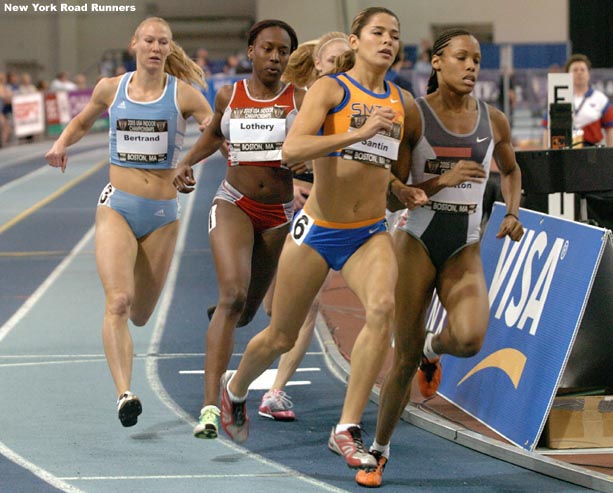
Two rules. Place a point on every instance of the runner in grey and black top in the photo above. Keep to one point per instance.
(454, 212)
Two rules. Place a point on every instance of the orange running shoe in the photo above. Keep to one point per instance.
(429, 376)
(372, 478)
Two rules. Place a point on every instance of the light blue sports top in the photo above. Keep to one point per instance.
(148, 134)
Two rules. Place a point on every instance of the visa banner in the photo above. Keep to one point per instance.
(538, 291)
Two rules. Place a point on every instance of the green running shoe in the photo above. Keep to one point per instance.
(208, 423)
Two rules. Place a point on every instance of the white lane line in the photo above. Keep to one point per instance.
(180, 476)
(38, 471)
(12, 322)
(51, 363)
(25, 178)
(50, 198)
(152, 368)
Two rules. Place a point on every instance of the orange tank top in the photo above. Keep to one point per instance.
(357, 104)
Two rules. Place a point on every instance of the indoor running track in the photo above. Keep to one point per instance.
(58, 426)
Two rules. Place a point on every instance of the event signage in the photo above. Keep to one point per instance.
(538, 291)
(28, 114)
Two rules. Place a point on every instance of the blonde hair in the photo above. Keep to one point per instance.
(177, 62)
(301, 69)
(328, 38)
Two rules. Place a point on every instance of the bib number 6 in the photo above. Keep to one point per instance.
(301, 226)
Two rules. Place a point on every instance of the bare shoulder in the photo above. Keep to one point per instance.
(500, 124)
(407, 97)
(187, 89)
(327, 91)
(105, 90)
(299, 96)
(223, 96)
(497, 117)
(412, 118)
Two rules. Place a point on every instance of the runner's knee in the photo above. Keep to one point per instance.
(118, 303)
(232, 301)
(380, 313)
(467, 343)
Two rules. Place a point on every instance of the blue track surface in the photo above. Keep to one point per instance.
(58, 429)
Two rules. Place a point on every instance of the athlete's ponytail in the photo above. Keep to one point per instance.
(177, 62)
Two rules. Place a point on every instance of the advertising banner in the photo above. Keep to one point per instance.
(28, 114)
(538, 290)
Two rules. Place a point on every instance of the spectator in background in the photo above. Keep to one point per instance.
(201, 57)
(62, 83)
(395, 75)
(107, 65)
(593, 113)
(5, 98)
(26, 86)
(129, 62)
(231, 65)
(80, 81)
(42, 85)
(244, 64)
(507, 92)
(13, 81)
(12, 87)
(422, 64)
(592, 110)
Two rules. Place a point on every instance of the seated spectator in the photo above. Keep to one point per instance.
(26, 86)
(128, 63)
(5, 110)
(62, 83)
(394, 74)
(106, 68)
(80, 81)
(244, 65)
(201, 57)
(42, 85)
(231, 65)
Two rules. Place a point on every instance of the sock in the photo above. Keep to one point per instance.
(384, 449)
(234, 398)
(344, 427)
(428, 351)
(209, 406)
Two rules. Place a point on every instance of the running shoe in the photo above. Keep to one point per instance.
(372, 478)
(349, 444)
(429, 376)
(277, 405)
(208, 423)
(128, 408)
(234, 419)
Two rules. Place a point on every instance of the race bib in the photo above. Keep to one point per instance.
(257, 134)
(379, 150)
(300, 227)
(143, 141)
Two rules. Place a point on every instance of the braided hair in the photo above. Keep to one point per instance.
(439, 45)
